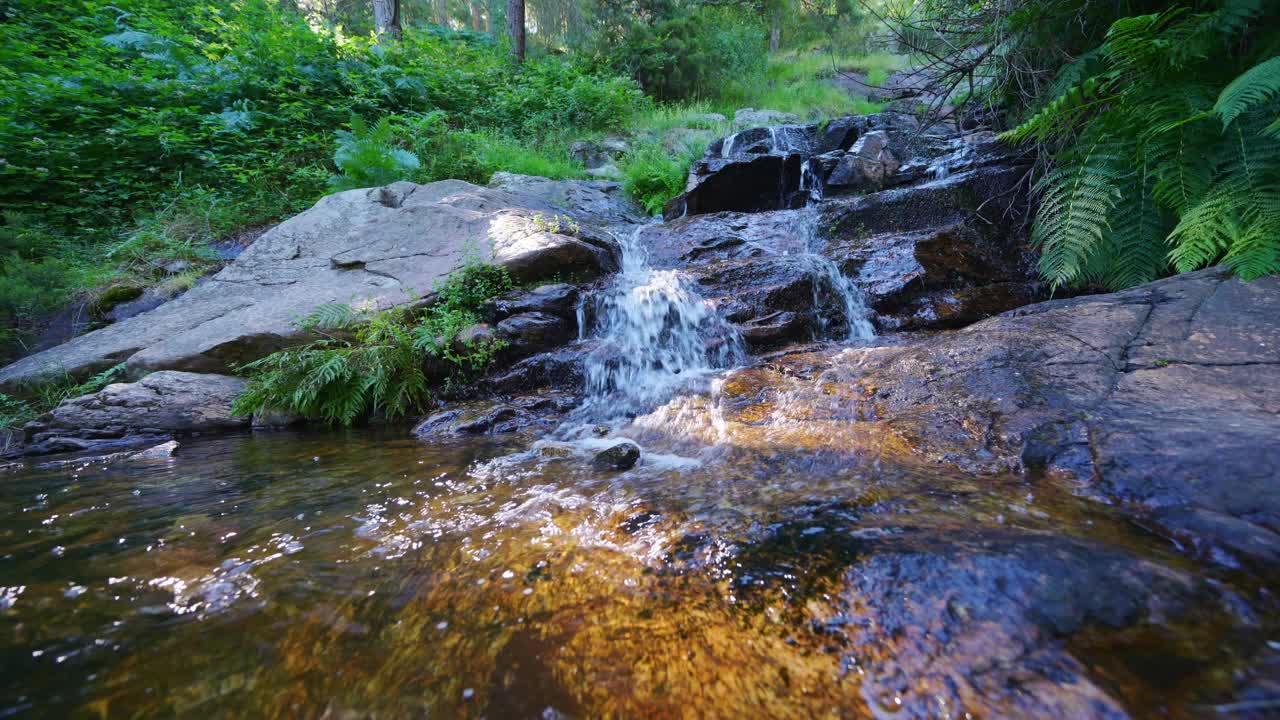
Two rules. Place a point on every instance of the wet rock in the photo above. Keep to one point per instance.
(744, 183)
(532, 332)
(497, 416)
(937, 255)
(149, 300)
(979, 622)
(622, 456)
(558, 299)
(560, 369)
(1164, 398)
(370, 248)
(867, 165)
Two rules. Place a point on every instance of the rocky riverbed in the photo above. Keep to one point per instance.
(818, 444)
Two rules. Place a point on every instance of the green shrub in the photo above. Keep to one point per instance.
(377, 363)
(652, 175)
(692, 54)
(368, 157)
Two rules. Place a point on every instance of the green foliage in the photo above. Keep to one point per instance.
(1164, 152)
(377, 363)
(692, 54)
(368, 157)
(122, 121)
(652, 175)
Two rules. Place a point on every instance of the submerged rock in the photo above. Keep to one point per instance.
(369, 248)
(978, 622)
(622, 456)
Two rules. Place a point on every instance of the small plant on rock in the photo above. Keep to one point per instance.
(379, 363)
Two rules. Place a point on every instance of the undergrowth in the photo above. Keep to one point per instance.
(379, 364)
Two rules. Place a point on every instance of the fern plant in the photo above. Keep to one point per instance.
(368, 157)
(376, 363)
(1166, 150)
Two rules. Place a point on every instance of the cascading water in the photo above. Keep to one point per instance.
(654, 335)
(853, 312)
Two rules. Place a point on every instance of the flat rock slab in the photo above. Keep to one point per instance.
(372, 249)
(1163, 399)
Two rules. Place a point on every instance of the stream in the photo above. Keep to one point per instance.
(366, 574)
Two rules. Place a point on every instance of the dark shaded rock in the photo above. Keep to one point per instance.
(938, 255)
(558, 299)
(560, 368)
(744, 183)
(622, 456)
(960, 623)
(532, 332)
(497, 416)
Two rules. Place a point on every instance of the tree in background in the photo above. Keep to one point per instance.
(386, 18)
(515, 29)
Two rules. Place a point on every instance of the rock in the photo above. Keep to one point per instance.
(157, 452)
(149, 300)
(705, 120)
(558, 299)
(150, 410)
(980, 622)
(745, 183)
(622, 456)
(497, 416)
(1163, 400)
(867, 165)
(168, 401)
(369, 248)
(558, 369)
(941, 254)
(750, 117)
(596, 154)
(274, 420)
(591, 202)
(532, 332)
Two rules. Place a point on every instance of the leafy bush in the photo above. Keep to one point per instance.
(368, 157)
(376, 364)
(652, 175)
(692, 54)
(1167, 150)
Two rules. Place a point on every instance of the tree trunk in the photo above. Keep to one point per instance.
(386, 18)
(775, 33)
(515, 29)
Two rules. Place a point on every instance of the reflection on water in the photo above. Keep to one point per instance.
(362, 575)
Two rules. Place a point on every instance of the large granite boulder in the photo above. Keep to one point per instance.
(370, 248)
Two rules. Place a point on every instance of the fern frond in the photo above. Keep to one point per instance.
(1076, 200)
(1061, 115)
(1251, 89)
(329, 316)
(1136, 251)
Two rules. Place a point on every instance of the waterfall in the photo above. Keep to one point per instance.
(654, 335)
(854, 313)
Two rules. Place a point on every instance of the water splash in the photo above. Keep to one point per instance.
(655, 335)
